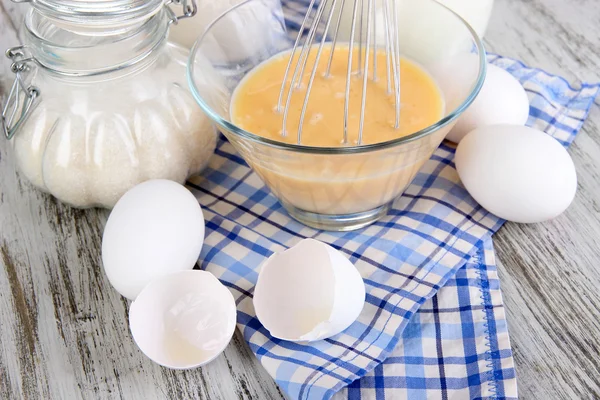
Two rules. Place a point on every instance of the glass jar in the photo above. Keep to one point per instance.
(100, 101)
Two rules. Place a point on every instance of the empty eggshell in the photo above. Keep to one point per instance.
(183, 320)
(518, 173)
(502, 100)
(308, 292)
(156, 228)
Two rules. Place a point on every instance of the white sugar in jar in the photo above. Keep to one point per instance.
(101, 101)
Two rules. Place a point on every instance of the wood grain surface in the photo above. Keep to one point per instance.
(63, 329)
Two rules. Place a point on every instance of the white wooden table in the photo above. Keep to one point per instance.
(63, 329)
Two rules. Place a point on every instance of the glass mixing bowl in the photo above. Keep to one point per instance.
(335, 188)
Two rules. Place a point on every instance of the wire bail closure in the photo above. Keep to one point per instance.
(22, 97)
(190, 8)
(13, 107)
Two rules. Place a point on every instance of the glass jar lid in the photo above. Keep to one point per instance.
(97, 11)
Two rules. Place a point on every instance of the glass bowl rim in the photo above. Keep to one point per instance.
(230, 127)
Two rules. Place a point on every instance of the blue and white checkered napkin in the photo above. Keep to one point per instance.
(456, 346)
(433, 325)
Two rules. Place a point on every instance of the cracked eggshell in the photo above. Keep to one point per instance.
(183, 320)
(308, 292)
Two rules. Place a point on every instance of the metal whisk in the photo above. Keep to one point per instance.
(315, 16)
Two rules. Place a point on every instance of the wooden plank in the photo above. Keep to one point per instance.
(549, 272)
(63, 331)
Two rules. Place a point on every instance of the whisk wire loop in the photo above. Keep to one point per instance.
(292, 54)
(314, 73)
(297, 65)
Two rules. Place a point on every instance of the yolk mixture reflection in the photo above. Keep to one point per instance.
(254, 103)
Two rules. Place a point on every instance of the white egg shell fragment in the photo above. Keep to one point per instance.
(155, 229)
(502, 100)
(183, 320)
(308, 292)
(518, 173)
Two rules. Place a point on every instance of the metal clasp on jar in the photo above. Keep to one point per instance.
(15, 111)
(189, 9)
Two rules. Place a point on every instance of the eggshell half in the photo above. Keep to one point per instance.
(308, 292)
(156, 228)
(502, 100)
(518, 173)
(183, 320)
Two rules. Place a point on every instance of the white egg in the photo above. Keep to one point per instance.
(456, 77)
(502, 100)
(156, 228)
(183, 320)
(308, 292)
(518, 173)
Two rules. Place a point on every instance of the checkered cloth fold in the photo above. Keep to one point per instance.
(455, 347)
(433, 325)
